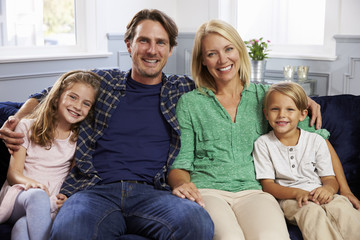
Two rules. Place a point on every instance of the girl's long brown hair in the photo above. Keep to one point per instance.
(45, 114)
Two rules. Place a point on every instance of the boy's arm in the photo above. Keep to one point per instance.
(325, 193)
(282, 193)
(341, 179)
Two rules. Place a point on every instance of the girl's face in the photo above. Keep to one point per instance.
(283, 115)
(75, 103)
(221, 58)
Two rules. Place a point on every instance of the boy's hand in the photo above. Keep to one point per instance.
(322, 195)
(302, 197)
(61, 198)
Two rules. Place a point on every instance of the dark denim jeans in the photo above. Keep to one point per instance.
(111, 210)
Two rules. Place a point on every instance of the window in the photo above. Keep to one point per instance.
(37, 23)
(296, 28)
(48, 29)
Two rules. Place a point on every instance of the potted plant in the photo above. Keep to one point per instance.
(258, 52)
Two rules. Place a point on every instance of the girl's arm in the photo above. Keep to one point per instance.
(340, 177)
(15, 172)
(179, 181)
(282, 193)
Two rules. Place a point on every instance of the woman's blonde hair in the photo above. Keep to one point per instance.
(290, 89)
(200, 73)
(45, 114)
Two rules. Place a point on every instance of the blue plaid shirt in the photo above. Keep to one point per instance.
(113, 88)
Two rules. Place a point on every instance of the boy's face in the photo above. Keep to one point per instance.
(282, 114)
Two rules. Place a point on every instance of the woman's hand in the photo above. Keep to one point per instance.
(315, 110)
(189, 191)
(355, 202)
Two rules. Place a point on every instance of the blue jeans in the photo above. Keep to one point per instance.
(111, 210)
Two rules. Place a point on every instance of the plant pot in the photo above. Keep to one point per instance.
(258, 69)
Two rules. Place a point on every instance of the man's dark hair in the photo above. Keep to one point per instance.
(155, 15)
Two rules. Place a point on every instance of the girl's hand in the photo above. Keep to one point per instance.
(189, 191)
(34, 184)
(61, 198)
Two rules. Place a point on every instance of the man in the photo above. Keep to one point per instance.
(119, 185)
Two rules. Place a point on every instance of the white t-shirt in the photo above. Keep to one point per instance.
(299, 166)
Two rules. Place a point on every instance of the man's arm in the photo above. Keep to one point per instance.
(11, 139)
(341, 179)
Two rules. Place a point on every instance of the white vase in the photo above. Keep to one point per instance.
(257, 70)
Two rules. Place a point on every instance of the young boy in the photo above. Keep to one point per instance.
(295, 167)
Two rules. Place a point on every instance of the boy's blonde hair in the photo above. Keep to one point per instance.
(46, 113)
(290, 89)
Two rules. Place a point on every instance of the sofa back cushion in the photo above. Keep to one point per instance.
(341, 117)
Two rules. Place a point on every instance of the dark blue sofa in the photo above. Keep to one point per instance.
(341, 116)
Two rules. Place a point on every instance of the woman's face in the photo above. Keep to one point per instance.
(221, 58)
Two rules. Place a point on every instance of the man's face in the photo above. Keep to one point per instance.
(149, 51)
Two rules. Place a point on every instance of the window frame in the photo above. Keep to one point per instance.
(228, 11)
(89, 44)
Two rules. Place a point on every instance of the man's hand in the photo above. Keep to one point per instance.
(315, 110)
(11, 139)
(189, 191)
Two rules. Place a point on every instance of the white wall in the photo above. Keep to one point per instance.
(349, 17)
(18, 80)
(190, 14)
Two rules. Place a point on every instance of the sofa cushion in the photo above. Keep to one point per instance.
(341, 117)
(6, 109)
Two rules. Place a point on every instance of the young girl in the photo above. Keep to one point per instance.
(30, 197)
(295, 167)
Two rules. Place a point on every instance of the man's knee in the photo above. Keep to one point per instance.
(194, 222)
(78, 219)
